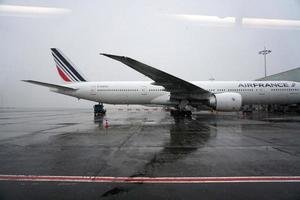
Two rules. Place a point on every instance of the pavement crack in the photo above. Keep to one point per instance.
(137, 130)
(284, 151)
(35, 132)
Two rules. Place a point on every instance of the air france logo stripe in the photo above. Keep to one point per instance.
(64, 68)
(68, 65)
(62, 74)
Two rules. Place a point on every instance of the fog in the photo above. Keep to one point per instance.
(192, 39)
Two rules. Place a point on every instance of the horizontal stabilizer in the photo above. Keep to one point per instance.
(50, 85)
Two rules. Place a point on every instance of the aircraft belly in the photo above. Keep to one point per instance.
(271, 98)
(285, 98)
(162, 99)
(124, 98)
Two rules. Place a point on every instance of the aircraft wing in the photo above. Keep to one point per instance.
(50, 85)
(171, 83)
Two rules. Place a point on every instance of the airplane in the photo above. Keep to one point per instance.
(168, 90)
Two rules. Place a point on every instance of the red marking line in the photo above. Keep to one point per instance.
(151, 180)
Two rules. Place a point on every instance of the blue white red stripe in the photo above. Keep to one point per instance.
(62, 74)
(63, 69)
(66, 68)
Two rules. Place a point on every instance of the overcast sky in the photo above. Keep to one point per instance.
(192, 39)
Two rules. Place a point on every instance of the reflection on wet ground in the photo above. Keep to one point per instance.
(186, 136)
(150, 144)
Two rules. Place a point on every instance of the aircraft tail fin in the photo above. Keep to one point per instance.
(66, 69)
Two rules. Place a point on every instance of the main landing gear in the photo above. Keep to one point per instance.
(182, 110)
(181, 113)
(99, 110)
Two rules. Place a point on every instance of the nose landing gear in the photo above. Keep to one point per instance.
(99, 110)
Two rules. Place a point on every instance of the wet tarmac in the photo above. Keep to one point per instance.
(148, 143)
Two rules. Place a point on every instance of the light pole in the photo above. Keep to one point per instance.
(265, 52)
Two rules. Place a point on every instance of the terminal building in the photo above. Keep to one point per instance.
(290, 75)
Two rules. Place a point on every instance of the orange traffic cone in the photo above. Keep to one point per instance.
(106, 124)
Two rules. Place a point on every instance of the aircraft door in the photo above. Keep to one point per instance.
(93, 90)
(144, 90)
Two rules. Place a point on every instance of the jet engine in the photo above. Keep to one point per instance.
(227, 101)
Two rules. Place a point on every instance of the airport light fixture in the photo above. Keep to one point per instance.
(264, 53)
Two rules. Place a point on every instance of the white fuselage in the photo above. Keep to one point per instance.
(144, 93)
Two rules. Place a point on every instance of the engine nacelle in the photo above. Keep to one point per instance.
(228, 101)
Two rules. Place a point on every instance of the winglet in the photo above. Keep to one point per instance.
(119, 58)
